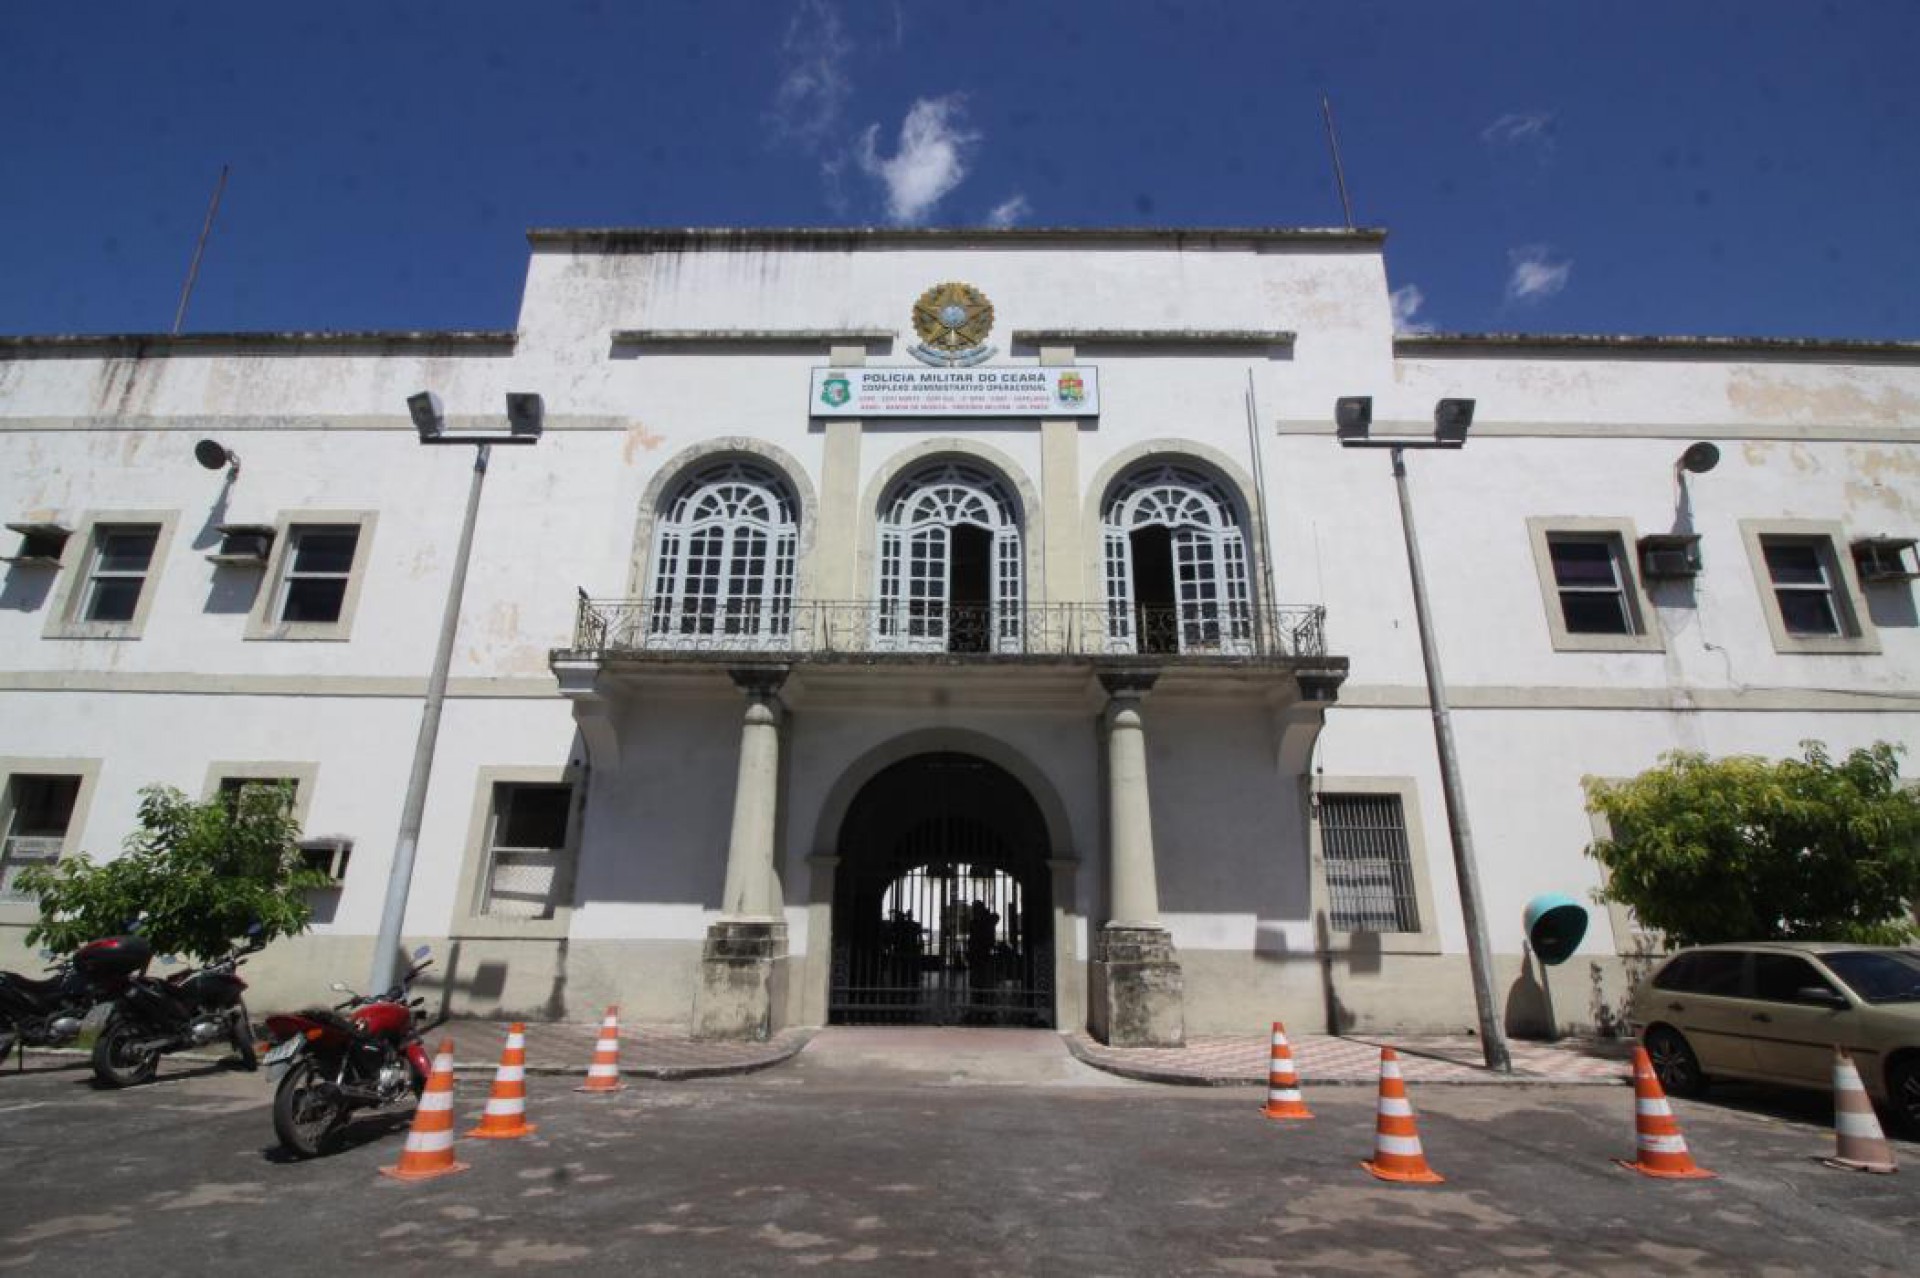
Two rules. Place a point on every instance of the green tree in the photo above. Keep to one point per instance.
(196, 875)
(1747, 849)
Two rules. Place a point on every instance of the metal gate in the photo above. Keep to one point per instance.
(947, 927)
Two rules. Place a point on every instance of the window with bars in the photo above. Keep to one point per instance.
(724, 559)
(39, 809)
(529, 858)
(1368, 864)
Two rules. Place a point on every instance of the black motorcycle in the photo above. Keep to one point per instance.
(49, 1012)
(157, 1015)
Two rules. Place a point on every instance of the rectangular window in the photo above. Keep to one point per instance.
(319, 564)
(1802, 575)
(39, 810)
(1589, 575)
(118, 571)
(527, 850)
(232, 788)
(1369, 870)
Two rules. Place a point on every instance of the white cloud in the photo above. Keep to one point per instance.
(1407, 301)
(1536, 274)
(1521, 128)
(930, 161)
(1009, 211)
(808, 102)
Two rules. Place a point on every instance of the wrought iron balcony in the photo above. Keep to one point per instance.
(816, 630)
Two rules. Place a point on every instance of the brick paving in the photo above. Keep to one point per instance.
(1229, 1060)
(646, 1051)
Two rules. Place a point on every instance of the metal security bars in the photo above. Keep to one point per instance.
(1363, 843)
(1220, 630)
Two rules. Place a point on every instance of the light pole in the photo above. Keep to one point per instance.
(525, 418)
(1353, 419)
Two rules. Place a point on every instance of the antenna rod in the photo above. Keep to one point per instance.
(193, 271)
(1333, 144)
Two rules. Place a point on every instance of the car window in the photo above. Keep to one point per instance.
(1878, 978)
(1779, 978)
(1703, 972)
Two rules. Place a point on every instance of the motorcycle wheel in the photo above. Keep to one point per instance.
(307, 1114)
(241, 1033)
(117, 1062)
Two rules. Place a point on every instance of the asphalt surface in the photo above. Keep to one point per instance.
(942, 1155)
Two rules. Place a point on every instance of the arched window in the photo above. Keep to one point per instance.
(723, 560)
(949, 563)
(1176, 565)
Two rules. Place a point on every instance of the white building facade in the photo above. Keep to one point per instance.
(979, 627)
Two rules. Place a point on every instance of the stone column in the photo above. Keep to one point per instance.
(1138, 992)
(743, 970)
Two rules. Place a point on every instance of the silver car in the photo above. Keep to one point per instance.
(1773, 1012)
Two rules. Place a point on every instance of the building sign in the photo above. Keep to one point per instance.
(955, 392)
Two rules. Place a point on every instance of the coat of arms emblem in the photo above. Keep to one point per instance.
(953, 321)
(835, 391)
(1071, 389)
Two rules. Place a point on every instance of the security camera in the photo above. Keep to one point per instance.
(526, 413)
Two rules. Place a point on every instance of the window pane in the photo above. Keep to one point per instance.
(42, 805)
(1807, 612)
(533, 817)
(1583, 563)
(1715, 972)
(1794, 563)
(113, 599)
(130, 551)
(327, 552)
(315, 600)
(1595, 614)
(1780, 977)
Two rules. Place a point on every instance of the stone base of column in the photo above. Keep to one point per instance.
(742, 994)
(1138, 995)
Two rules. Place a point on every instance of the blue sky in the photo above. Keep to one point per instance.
(1692, 168)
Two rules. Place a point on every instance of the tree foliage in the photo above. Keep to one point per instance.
(195, 875)
(1747, 849)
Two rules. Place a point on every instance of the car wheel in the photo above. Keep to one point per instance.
(1674, 1063)
(1903, 1094)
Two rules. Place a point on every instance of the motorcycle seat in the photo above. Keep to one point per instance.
(28, 985)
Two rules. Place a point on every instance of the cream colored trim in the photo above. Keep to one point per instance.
(88, 770)
(262, 622)
(1031, 513)
(1621, 540)
(254, 423)
(311, 685)
(677, 467)
(1800, 432)
(303, 776)
(1427, 939)
(63, 621)
(1831, 539)
(467, 920)
(1616, 697)
(1188, 452)
(1629, 938)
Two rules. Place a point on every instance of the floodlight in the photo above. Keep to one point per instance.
(1451, 418)
(526, 412)
(1352, 417)
(428, 418)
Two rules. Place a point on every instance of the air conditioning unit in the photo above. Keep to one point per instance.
(40, 545)
(244, 545)
(1669, 556)
(1881, 560)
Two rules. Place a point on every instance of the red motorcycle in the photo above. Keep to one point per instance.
(364, 1053)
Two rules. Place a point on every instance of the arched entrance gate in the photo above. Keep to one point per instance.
(943, 907)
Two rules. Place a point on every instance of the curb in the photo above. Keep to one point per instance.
(1175, 1078)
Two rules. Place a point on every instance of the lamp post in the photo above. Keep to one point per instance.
(525, 418)
(1353, 419)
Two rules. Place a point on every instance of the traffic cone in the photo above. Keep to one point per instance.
(604, 1074)
(1862, 1146)
(506, 1114)
(1396, 1141)
(1283, 1085)
(429, 1150)
(1662, 1149)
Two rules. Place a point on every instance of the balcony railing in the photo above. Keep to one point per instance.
(818, 629)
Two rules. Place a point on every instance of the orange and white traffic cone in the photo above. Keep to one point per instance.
(1283, 1085)
(429, 1150)
(604, 1074)
(506, 1114)
(1862, 1146)
(1662, 1149)
(1396, 1140)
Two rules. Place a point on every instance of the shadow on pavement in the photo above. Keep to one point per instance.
(361, 1131)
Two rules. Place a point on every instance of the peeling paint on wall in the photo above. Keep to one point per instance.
(1769, 395)
(639, 438)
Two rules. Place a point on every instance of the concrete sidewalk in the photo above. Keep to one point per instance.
(1241, 1059)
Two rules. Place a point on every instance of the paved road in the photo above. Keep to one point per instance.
(934, 1158)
